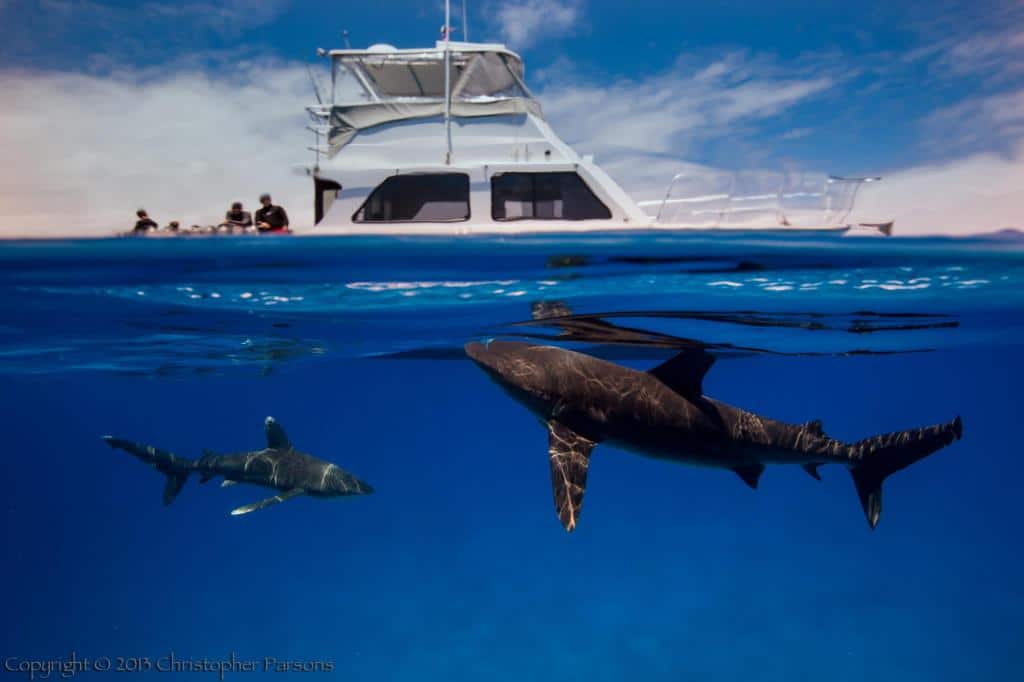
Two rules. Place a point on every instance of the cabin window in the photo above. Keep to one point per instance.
(418, 198)
(544, 196)
(325, 192)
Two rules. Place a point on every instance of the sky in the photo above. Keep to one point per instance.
(184, 106)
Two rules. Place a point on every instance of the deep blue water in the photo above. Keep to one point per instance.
(456, 568)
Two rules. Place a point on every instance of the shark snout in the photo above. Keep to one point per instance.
(477, 352)
(496, 357)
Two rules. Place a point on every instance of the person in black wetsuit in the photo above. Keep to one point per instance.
(236, 218)
(271, 218)
(144, 222)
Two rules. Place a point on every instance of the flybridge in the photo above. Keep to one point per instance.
(383, 72)
(383, 84)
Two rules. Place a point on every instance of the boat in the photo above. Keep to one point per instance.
(449, 140)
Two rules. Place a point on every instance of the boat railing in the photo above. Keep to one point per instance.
(756, 198)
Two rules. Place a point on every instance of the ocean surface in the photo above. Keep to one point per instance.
(456, 567)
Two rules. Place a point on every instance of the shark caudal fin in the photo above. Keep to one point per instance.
(176, 469)
(881, 456)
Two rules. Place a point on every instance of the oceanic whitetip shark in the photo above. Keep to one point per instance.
(663, 413)
(278, 466)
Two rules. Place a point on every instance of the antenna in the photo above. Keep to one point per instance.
(344, 36)
(465, 23)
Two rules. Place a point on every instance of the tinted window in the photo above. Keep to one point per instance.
(544, 196)
(421, 198)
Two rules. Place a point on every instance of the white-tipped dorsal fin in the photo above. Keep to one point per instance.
(684, 372)
(277, 439)
(227, 482)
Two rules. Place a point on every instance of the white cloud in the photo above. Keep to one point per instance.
(642, 130)
(670, 112)
(977, 123)
(523, 23)
(976, 193)
(83, 152)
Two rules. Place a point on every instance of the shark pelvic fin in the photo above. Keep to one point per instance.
(812, 470)
(569, 453)
(277, 439)
(256, 506)
(750, 473)
(684, 373)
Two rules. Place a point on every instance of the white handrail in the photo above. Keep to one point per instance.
(668, 190)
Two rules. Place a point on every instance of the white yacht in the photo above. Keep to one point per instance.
(450, 140)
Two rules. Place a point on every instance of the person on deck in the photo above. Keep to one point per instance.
(237, 219)
(271, 218)
(144, 222)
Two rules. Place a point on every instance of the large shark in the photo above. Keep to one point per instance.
(278, 466)
(664, 414)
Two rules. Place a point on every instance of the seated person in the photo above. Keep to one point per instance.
(236, 218)
(144, 222)
(271, 218)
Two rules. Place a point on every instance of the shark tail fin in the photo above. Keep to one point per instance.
(175, 482)
(176, 469)
(882, 456)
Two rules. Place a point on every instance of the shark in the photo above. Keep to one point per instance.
(278, 466)
(663, 413)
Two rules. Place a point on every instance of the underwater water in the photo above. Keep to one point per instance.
(456, 567)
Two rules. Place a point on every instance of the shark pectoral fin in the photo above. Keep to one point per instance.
(256, 506)
(570, 458)
(684, 373)
(227, 483)
(750, 473)
(277, 439)
(812, 469)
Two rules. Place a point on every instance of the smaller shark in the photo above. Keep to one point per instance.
(279, 466)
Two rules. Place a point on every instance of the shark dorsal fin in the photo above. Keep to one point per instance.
(814, 427)
(684, 372)
(277, 439)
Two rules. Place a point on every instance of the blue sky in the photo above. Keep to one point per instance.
(923, 92)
